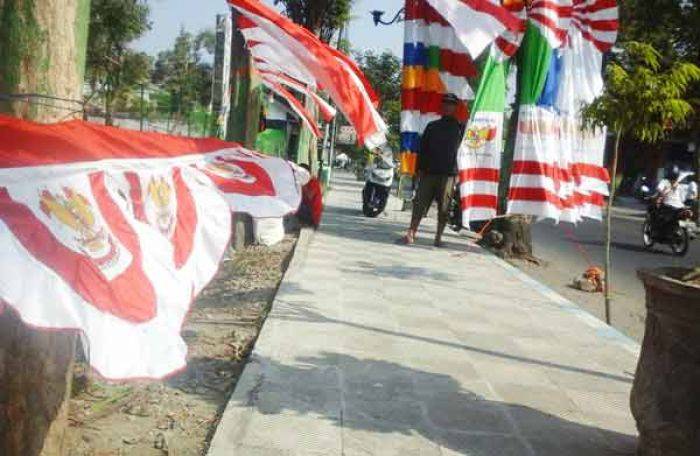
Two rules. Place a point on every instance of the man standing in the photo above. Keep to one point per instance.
(437, 168)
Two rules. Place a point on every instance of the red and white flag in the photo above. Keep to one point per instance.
(113, 233)
(306, 117)
(477, 22)
(332, 72)
(328, 112)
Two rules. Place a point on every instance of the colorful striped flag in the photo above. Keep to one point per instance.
(435, 62)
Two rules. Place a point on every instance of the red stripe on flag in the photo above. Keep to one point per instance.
(479, 174)
(534, 194)
(457, 64)
(484, 201)
(499, 13)
(506, 46)
(535, 168)
(26, 143)
(600, 5)
(592, 171)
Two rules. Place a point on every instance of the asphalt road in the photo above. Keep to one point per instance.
(567, 251)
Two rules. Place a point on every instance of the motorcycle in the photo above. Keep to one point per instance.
(676, 232)
(454, 214)
(379, 179)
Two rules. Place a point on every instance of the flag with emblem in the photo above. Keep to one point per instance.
(120, 231)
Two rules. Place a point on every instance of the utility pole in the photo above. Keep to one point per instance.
(42, 51)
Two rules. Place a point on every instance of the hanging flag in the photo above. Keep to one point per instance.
(558, 169)
(331, 71)
(328, 112)
(598, 22)
(477, 23)
(120, 230)
(306, 117)
(435, 63)
(479, 157)
(536, 176)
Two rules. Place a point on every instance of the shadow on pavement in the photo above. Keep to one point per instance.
(297, 311)
(381, 406)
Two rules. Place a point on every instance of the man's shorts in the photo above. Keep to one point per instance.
(433, 187)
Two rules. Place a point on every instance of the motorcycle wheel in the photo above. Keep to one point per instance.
(680, 242)
(647, 237)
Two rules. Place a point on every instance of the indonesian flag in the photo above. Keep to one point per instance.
(479, 157)
(435, 63)
(113, 233)
(306, 117)
(328, 112)
(331, 71)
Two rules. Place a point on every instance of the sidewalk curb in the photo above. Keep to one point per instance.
(602, 329)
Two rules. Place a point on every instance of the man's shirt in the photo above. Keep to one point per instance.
(671, 195)
(439, 145)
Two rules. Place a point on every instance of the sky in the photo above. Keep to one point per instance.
(168, 16)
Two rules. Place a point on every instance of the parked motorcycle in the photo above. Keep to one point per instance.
(675, 229)
(379, 179)
(454, 215)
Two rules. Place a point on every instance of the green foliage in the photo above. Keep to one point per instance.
(183, 72)
(323, 17)
(384, 74)
(644, 98)
(114, 70)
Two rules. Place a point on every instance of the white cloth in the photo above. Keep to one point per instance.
(672, 195)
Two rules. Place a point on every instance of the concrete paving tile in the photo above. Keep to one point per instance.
(465, 411)
(502, 367)
(401, 415)
(296, 434)
(483, 445)
(543, 399)
(376, 441)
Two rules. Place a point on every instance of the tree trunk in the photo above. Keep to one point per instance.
(239, 128)
(509, 237)
(42, 51)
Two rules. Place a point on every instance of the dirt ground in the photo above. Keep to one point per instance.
(178, 416)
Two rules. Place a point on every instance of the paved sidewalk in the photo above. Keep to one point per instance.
(374, 348)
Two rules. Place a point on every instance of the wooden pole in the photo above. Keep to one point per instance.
(608, 232)
(42, 51)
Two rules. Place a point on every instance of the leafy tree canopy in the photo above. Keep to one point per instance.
(643, 97)
(384, 74)
(323, 17)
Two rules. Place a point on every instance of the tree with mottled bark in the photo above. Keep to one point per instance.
(42, 52)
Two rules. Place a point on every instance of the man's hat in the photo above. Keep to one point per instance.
(450, 98)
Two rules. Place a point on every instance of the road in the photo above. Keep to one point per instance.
(567, 251)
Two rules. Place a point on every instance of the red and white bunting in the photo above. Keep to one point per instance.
(306, 117)
(120, 230)
(477, 23)
(330, 70)
(328, 112)
(598, 22)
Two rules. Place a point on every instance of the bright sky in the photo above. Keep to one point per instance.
(168, 16)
